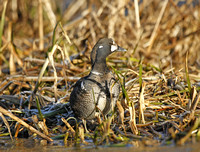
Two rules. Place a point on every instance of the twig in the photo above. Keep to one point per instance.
(5, 112)
(137, 15)
(7, 124)
(153, 35)
(44, 79)
(40, 19)
(183, 140)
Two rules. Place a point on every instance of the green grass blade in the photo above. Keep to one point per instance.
(39, 109)
(122, 85)
(54, 35)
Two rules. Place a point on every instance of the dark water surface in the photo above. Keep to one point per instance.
(29, 145)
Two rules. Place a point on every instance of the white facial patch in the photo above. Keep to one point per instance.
(101, 46)
(113, 48)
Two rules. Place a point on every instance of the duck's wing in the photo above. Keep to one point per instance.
(81, 100)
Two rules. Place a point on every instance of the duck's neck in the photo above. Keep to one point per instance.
(100, 67)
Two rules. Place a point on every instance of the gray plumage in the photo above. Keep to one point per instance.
(98, 91)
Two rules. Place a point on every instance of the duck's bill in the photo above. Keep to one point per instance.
(117, 48)
(121, 49)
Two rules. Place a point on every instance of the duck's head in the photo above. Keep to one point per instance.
(103, 48)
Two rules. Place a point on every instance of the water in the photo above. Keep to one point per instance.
(24, 145)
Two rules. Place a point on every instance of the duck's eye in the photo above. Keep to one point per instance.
(101, 46)
(114, 42)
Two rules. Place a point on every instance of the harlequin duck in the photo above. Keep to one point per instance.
(93, 93)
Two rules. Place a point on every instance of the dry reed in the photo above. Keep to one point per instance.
(159, 74)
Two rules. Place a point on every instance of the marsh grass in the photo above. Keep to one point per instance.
(159, 74)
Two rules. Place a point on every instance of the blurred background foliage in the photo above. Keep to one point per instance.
(163, 34)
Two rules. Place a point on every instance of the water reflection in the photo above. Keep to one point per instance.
(32, 145)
